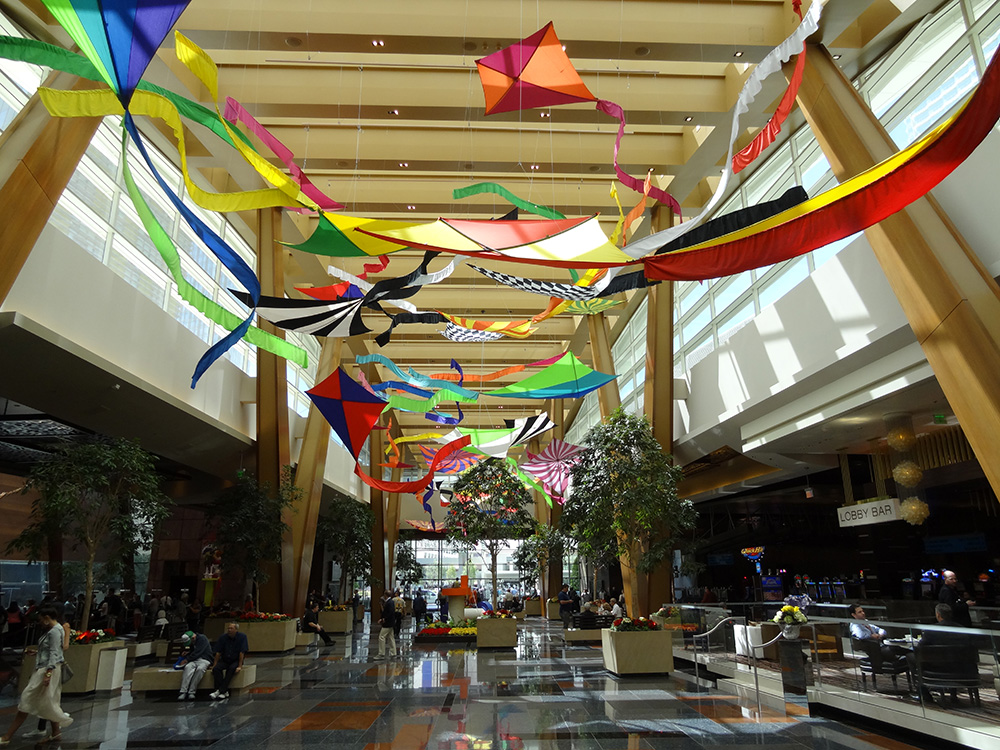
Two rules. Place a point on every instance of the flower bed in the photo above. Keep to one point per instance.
(336, 608)
(438, 631)
(630, 625)
(500, 614)
(88, 637)
(240, 616)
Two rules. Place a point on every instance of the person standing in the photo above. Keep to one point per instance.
(400, 605)
(44, 691)
(230, 651)
(949, 594)
(387, 621)
(196, 662)
(419, 609)
(565, 605)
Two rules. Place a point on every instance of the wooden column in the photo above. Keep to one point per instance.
(392, 530)
(38, 155)
(309, 479)
(658, 400)
(377, 501)
(951, 301)
(608, 396)
(272, 406)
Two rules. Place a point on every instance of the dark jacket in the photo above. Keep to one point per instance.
(200, 649)
(959, 609)
(388, 614)
(229, 649)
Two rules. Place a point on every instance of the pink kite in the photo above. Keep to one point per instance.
(552, 466)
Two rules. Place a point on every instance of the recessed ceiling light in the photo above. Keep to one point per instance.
(594, 168)
(411, 208)
(738, 53)
(688, 118)
(378, 43)
(564, 48)
(642, 51)
(836, 57)
(534, 166)
(293, 41)
(469, 46)
(392, 112)
(545, 114)
(404, 164)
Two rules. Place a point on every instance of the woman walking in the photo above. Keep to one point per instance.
(44, 690)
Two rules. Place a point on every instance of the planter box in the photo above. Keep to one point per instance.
(496, 633)
(262, 637)
(336, 622)
(464, 639)
(638, 653)
(552, 610)
(533, 607)
(83, 660)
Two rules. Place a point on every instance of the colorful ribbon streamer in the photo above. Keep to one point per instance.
(496, 189)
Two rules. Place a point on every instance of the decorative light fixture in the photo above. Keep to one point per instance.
(688, 118)
(907, 474)
(901, 438)
(914, 511)
(738, 53)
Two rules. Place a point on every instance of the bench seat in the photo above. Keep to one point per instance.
(162, 678)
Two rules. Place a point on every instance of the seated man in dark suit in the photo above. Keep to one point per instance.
(954, 642)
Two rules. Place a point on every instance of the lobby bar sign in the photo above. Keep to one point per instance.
(863, 514)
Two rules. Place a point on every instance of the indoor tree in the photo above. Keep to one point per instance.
(103, 496)
(624, 501)
(408, 570)
(249, 525)
(535, 551)
(488, 509)
(346, 532)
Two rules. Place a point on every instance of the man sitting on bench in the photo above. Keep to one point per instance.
(587, 619)
(230, 650)
(196, 662)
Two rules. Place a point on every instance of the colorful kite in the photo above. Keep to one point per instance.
(335, 318)
(552, 466)
(536, 72)
(456, 463)
(496, 443)
(349, 408)
(566, 378)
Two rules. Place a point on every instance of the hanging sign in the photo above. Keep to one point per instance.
(878, 511)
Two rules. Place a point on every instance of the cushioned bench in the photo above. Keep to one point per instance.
(164, 678)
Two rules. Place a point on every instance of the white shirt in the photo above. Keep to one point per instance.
(616, 611)
(864, 630)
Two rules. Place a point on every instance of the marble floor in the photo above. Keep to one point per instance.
(543, 695)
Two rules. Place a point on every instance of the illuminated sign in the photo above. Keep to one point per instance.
(863, 514)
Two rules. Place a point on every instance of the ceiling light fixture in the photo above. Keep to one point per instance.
(404, 164)
(738, 53)
(411, 208)
(688, 118)
(534, 166)
(545, 114)
(378, 43)
(836, 57)
(393, 112)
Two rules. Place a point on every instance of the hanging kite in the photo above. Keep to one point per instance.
(552, 466)
(496, 443)
(350, 409)
(456, 463)
(566, 378)
(536, 72)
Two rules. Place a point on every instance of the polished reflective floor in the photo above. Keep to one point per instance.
(543, 695)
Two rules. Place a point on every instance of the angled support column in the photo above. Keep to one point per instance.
(377, 500)
(272, 410)
(608, 396)
(38, 155)
(658, 401)
(949, 298)
(392, 530)
(309, 479)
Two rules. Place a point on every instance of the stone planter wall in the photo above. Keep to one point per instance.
(83, 660)
(496, 633)
(533, 607)
(552, 610)
(638, 653)
(336, 622)
(262, 637)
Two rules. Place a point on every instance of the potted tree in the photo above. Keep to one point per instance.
(248, 524)
(486, 512)
(346, 532)
(624, 503)
(531, 560)
(102, 496)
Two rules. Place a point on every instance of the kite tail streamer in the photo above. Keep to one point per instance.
(639, 208)
(235, 112)
(226, 255)
(610, 108)
(766, 136)
(415, 485)
(211, 309)
(492, 187)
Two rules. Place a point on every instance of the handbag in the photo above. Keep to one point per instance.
(67, 673)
